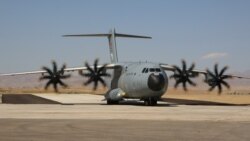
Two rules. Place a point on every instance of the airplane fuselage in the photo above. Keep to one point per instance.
(141, 80)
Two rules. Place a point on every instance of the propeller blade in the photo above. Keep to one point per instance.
(225, 84)
(212, 87)
(95, 65)
(217, 79)
(95, 74)
(44, 77)
(88, 82)
(177, 69)
(55, 87)
(105, 75)
(62, 84)
(177, 83)
(65, 76)
(95, 85)
(184, 86)
(216, 70)
(210, 73)
(47, 84)
(183, 76)
(191, 82)
(54, 76)
(219, 88)
(47, 70)
(62, 69)
(184, 66)
(88, 68)
(54, 67)
(223, 70)
(103, 82)
(102, 68)
(191, 67)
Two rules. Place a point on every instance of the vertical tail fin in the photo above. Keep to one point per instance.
(112, 41)
(112, 47)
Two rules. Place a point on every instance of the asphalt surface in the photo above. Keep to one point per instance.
(86, 117)
(126, 130)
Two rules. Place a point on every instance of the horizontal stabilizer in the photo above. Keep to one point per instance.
(108, 35)
(87, 35)
(132, 36)
(112, 35)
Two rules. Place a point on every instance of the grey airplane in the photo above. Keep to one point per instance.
(145, 81)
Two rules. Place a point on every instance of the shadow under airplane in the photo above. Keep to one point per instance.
(199, 102)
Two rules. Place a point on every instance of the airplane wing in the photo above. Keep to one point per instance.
(230, 75)
(108, 66)
(172, 68)
(215, 78)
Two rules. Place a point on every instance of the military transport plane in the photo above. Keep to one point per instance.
(146, 81)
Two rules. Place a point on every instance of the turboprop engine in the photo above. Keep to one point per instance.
(115, 95)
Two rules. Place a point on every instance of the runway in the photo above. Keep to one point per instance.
(89, 118)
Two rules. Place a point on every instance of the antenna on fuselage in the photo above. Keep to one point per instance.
(112, 41)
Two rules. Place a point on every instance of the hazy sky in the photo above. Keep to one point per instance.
(201, 31)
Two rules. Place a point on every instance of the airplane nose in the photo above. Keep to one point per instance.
(156, 82)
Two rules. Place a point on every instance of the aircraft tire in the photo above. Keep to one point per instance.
(112, 102)
(150, 102)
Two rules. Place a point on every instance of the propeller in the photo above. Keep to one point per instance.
(95, 75)
(183, 75)
(54, 76)
(217, 79)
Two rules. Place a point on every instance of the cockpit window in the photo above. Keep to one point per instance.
(145, 70)
(158, 70)
(152, 70)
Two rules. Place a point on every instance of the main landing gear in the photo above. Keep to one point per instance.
(150, 101)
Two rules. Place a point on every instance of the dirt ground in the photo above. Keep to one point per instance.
(122, 130)
(94, 120)
(237, 96)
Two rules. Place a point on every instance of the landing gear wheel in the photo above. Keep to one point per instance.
(154, 102)
(112, 102)
(146, 102)
(150, 101)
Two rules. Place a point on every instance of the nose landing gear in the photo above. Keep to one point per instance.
(151, 101)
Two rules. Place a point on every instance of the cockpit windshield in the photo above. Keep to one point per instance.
(146, 70)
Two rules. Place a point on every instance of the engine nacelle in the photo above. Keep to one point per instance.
(115, 94)
(210, 80)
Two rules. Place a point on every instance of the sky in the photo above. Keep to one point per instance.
(201, 31)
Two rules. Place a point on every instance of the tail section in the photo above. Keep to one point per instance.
(112, 47)
(112, 41)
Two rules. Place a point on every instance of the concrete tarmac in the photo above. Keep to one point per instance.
(91, 119)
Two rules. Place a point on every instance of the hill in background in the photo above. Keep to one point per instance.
(76, 82)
